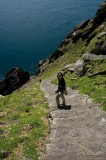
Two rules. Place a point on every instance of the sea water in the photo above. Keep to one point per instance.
(31, 30)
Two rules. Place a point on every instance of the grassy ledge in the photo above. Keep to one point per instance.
(23, 123)
(95, 87)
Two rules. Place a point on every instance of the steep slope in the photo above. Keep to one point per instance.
(23, 123)
(78, 129)
(82, 57)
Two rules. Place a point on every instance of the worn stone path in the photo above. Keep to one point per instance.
(78, 131)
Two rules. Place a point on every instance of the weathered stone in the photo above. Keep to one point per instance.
(41, 62)
(83, 24)
(87, 57)
(69, 67)
(90, 37)
(57, 54)
(79, 68)
(102, 34)
(65, 42)
(15, 78)
(98, 19)
(96, 74)
(44, 66)
(99, 48)
(100, 15)
(76, 35)
(101, 26)
(88, 30)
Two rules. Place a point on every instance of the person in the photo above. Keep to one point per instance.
(61, 89)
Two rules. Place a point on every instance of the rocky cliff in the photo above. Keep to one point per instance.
(14, 79)
(91, 32)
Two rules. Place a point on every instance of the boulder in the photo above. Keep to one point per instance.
(90, 37)
(68, 68)
(65, 42)
(44, 66)
(76, 35)
(14, 79)
(100, 15)
(79, 68)
(98, 20)
(101, 26)
(83, 24)
(99, 47)
(102, 34)
(41, 62)
(87, 57)
(88, 30)
(96, 74)
(56, 54)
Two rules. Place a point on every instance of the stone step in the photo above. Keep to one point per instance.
(74, 157)
(88, 133)
(77, 111)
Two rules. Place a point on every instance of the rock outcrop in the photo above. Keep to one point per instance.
(78, 68)
(91, 57)
(85, 31)
(14, 79)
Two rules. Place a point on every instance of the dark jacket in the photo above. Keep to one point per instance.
(61, 85)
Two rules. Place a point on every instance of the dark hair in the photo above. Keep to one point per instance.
(59, 74)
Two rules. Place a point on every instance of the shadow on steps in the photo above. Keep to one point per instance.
(65, 107)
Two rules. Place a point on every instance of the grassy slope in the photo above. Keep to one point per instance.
(23, 122)
(95, 87)
(23, 114)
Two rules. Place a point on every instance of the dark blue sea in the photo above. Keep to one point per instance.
(30, 30)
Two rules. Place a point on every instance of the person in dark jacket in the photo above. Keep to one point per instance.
(61, 89)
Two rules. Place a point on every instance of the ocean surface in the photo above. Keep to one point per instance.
(31, 30)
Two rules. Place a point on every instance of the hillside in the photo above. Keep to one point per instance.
(82, 58)
(24, 114)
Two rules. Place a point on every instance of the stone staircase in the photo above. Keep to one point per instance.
(78, 130)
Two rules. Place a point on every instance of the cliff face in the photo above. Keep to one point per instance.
(92, 32)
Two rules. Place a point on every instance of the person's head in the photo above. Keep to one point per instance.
(59, 75)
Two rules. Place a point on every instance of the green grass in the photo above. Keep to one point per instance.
(95, 40)
(72, 53)
(24, 125)
(95, 87)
